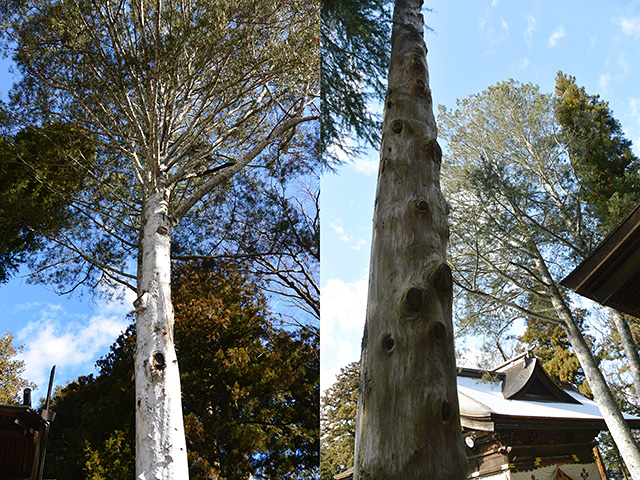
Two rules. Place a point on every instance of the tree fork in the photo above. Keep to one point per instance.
(408, 423)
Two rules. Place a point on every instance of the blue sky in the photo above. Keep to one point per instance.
(474, 44)
(68, 331)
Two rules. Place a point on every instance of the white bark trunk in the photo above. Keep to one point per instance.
(630, 349)
(602, 395)
(161, 452)
(605, 400)
(408, 424)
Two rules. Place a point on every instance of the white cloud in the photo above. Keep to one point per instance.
(492, 29)
(634, 129)
(524, 63)
(344, 306)
(605, 81)
(616, 73)
(557, 34)
(359, 244)
(345, 236)
(531, 26)
(340, 231)
(630, 25)
(623, 64)
(367, 166)
(71, 342)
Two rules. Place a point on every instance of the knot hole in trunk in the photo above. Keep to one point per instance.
(158, 362)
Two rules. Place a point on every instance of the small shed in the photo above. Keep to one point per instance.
(23, 437)
(518, 424)
(23, 434)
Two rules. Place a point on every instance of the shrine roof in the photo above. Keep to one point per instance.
(522, 395)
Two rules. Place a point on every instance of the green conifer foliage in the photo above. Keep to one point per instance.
(608, 170)
(11, 370)
(355, 56)
(250, 391)
(41, 169)
(338, 422)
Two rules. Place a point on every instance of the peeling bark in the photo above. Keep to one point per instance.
(408, 422)
(161, 451)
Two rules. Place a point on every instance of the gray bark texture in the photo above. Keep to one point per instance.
(602, 395)
(408, 424)
(630, 348)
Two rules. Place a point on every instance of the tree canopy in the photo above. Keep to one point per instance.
(355, 56)
(270, 225)
(607, 169)
(11, 370)
(180, 98)
(38, 178)
(512, 198)
(250, 391)
(521, 222)
(338, 422)
(168, 99)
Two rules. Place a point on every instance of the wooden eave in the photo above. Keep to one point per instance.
(610, 275)
(347, 474)
(495, 422)
(20, 416)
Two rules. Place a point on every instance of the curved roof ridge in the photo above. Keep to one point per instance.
(472, 407)
(530, 379)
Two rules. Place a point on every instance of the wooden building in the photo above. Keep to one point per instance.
(551, 435)
(518, 424)
(23, 437)
(610, 275)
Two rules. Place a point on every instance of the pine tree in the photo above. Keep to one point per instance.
(180, 97)
(519, 220)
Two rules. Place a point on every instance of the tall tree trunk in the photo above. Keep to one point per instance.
(630, 349)
(161, 451)
(408, 424)
(602, 394)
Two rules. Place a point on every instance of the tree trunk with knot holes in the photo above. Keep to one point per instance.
(408, 424)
